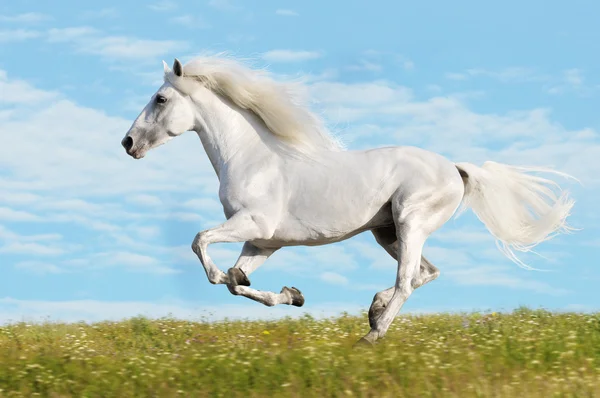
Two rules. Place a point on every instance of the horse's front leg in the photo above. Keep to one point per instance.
(250, 259)
(241, 227)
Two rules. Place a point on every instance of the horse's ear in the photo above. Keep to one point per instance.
(177, 68)
(166, 67)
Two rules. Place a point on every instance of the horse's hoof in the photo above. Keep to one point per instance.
(363, 342)
(374, 314)
(237, 277)
(297, 297)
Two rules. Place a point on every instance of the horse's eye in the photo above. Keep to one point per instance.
(160, 99)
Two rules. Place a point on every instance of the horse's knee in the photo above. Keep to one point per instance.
(199, 242)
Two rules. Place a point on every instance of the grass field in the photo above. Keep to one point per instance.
(521, 354)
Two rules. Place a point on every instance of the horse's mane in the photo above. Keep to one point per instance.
(279, 105)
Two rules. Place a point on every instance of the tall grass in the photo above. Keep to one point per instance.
(522, 354)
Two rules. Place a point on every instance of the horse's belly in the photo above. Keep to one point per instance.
(328, 226)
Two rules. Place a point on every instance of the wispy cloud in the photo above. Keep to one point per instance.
(57, 35)
(163, 5)
(38, 267)
(290, 55)
(456, 76)
(15, 91)
(8, 235)
(26, 18)
(224, 5)
(366, 66)
(90, 40)
(31, 248)
(144, 200)
(17, 35)
(334, 278)
(190, 21)
(572, 80)
(14, 310)
(122, 47)
(133, 262)
(574, 77)
(109, 12)
(8, 214)
(286, 12)
(506, 75)
(497, 276)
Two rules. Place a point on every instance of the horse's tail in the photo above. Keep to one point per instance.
(520, 210)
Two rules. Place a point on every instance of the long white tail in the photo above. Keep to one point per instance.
(520, 210)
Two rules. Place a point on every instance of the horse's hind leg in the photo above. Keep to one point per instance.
(416, 216)
(386, 237)
(411, 239)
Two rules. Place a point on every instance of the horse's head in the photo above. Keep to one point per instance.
(168, 114)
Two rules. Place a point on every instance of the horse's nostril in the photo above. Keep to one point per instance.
(127, 143)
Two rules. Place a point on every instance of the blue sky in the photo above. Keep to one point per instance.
(88, 233)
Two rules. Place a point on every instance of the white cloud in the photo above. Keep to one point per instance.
(334, 278)
(286, 12)
(572, 80)
(130, 261)
(25, 18)
(122, 47)
(8, 235)
(408, 65)
(366, 66)
(163, 5)
(144, 200)
(378, 257)
(574, 77)
(359, 94)
(76, 205)
(456, 76)
(443, 257)
(448, 126)
(8, 214)
(498, 276)
(109, 12)
(506, 75)
(16, 91)
(511, 74)
(223, 5)
(89, 40)
(464, 236)
(434, 88)
(61, 128)
(204, 204)
(18, 197)
(57, 35)
(16, 35)
(15, 310)
(148, 232)
(290, 55)
(39, 267)
(34, 249)
(190, 21)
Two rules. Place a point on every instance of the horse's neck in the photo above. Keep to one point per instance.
(228, 133)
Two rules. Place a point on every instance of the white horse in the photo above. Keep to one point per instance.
(284, 181)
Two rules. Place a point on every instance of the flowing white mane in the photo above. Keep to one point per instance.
(279, 105)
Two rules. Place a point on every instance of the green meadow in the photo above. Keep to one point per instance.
(525, 353)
